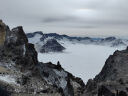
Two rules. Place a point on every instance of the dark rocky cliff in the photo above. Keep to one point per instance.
(113, 78)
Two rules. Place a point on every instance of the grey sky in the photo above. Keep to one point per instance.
(72, 17)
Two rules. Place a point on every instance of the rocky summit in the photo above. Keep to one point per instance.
(21, 74)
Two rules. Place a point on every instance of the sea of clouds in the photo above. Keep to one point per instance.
(84, 61)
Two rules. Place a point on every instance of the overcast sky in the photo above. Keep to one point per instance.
(72, 17)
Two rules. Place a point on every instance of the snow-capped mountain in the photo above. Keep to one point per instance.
(55, 42)
(44, 44)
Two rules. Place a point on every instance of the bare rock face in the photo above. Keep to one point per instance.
(17, 47)
(113, 78)
(16, 36)
(29, 77)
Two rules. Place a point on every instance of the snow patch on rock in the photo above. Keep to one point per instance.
(63, 76)
(8, 79)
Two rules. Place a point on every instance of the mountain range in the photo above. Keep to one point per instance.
(42, 40)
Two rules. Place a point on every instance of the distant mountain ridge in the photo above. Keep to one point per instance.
(57, 36)
(61, 39)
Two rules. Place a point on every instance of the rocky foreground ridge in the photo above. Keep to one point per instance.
(21, 74)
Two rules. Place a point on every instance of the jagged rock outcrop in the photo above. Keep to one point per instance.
(27, 76)
(113, 78)
(66, 82)
(17, 47)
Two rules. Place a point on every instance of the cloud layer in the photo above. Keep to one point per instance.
(73, 17)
